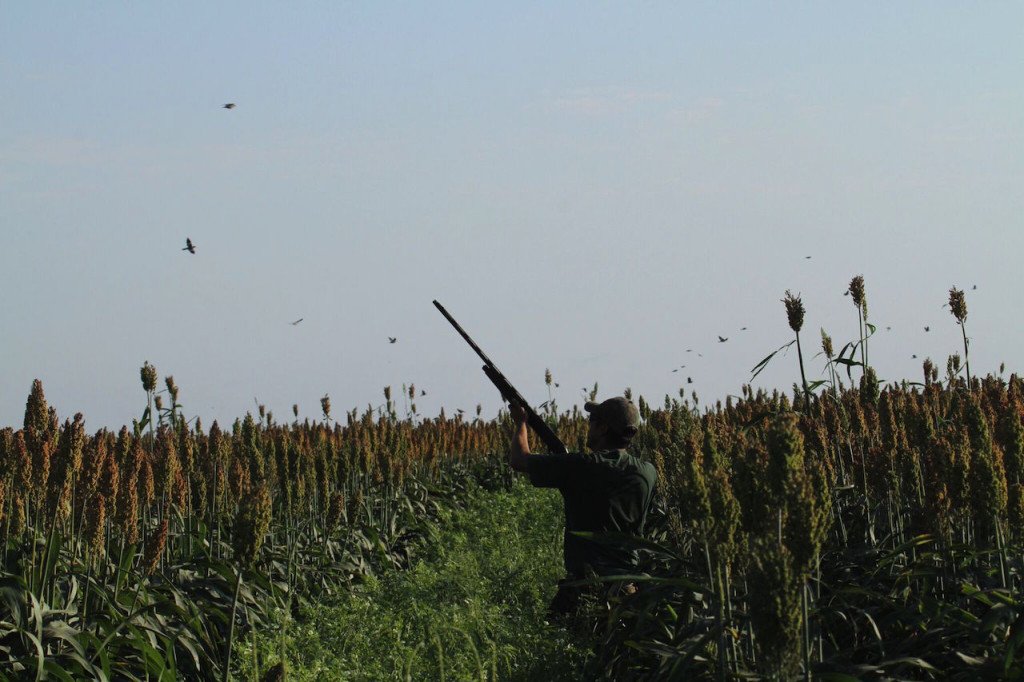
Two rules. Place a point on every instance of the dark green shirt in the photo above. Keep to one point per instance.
(603, 492)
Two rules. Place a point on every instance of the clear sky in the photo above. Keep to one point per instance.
(588, 187)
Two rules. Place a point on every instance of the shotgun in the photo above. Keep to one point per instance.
(509, 393)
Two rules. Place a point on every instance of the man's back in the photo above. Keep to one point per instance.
(608, 491)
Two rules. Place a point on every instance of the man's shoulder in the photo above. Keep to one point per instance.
(622, 459)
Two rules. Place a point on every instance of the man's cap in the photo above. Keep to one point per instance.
(618, 414)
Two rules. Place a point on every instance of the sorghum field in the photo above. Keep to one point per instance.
(844, 530)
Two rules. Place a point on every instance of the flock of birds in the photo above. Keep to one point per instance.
(191, 248)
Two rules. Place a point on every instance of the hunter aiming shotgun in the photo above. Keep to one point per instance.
(509, 393)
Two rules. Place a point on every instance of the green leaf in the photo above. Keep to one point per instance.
(759, 367)
(970, 660)
(909, 660)
(57, 670)
(815, 384)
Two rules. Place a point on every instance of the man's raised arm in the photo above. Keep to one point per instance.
(520, 447)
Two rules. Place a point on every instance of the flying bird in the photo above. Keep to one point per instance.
(297, 321)
(807, 257)
(229, 105)
(914, 357)
(975, 286)
(422, 393)
(189, 246)
(392, 339)
(927, 329)
(689, 380)
(722, 339)
(743, 329)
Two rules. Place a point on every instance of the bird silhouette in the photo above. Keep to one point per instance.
(229, 105)
(914, 357)
(807, 257)
(689, 380)
(722, 339)
(927, 329)
(189, 246)
(392, 339)
(743, 329)
(674, 371)
(297, 321)
(975, 286)
(422, 393)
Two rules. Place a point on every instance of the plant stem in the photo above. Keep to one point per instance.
(231, 628)
(967, 361)
(803, 377)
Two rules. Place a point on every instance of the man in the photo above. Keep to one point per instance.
(607, 490)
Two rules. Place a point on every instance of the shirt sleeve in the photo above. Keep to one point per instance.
(550, 471)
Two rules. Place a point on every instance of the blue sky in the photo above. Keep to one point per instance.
(588, 187)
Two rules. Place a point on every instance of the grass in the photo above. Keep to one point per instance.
(472, 606)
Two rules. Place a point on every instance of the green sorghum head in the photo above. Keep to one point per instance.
(251, 525)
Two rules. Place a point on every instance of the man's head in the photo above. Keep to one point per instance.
(613, 423)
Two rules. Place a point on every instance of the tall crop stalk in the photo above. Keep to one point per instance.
(856, 291)
(795, 315)
(958, 307)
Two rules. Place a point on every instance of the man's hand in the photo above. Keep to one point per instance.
(518, 413)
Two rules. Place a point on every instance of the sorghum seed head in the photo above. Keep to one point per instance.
(95, 520)
(953, 365)
(155, 548)
(172, 388)
(958, 305)
(251, 526)
(22, 462)
(826, 344)
(335, 511)
(857, 290)
(325, 405)
(547, 377)
(148, 375)
(36, 418)
(794, 311)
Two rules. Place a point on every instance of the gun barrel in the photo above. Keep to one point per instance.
(462, 332)
(508, 391)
